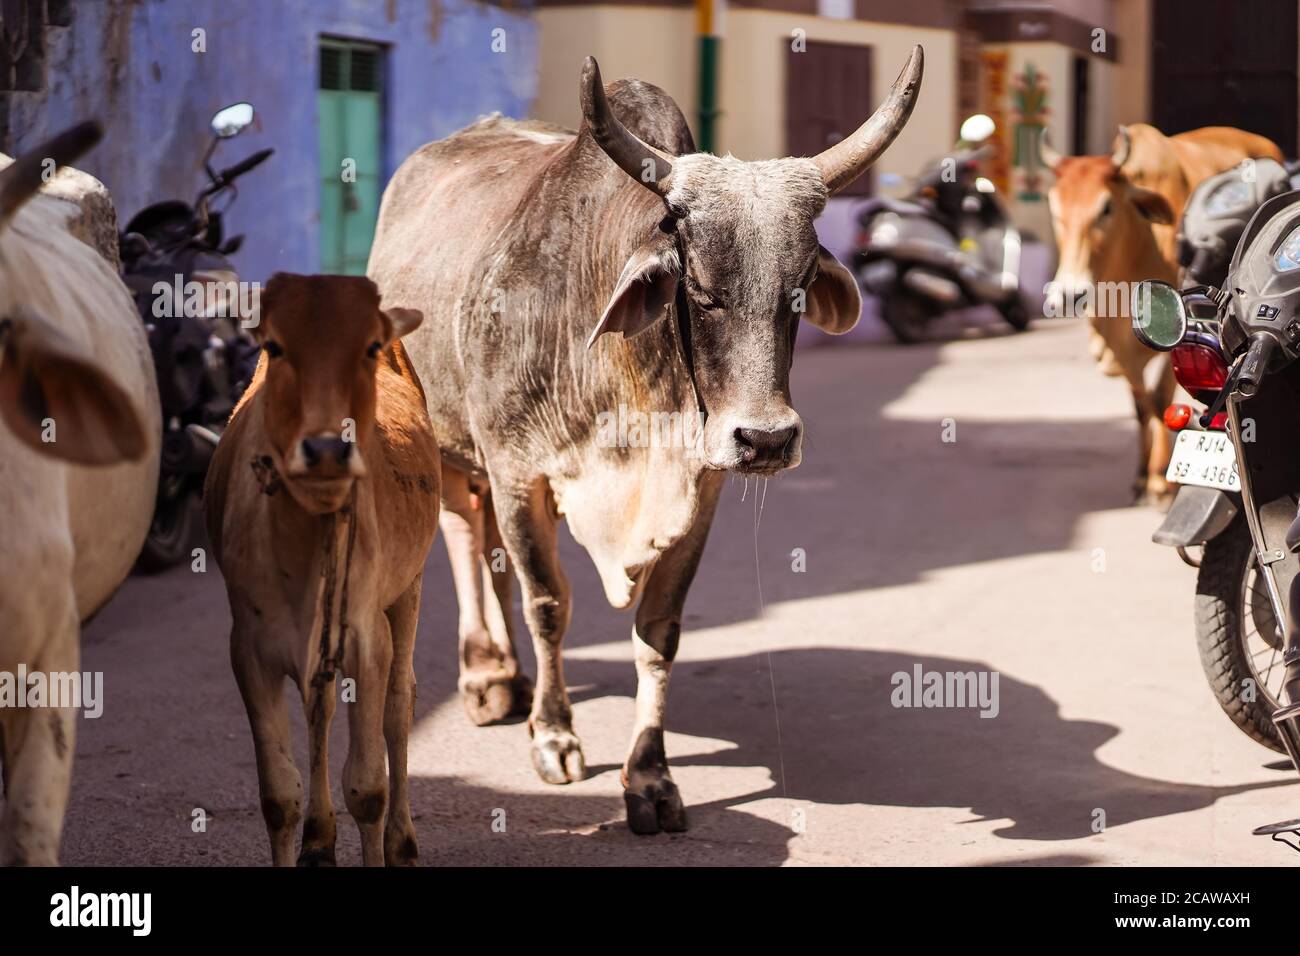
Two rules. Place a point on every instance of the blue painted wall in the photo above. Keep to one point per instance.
(130, 63)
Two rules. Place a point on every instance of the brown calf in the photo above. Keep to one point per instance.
(322, 503)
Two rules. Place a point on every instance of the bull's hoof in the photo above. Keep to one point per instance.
(489, 696)
(654, 804)
(522, 687)
(317, 856)
(400, 848)
(557, 756)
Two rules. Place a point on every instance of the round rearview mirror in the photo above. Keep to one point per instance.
(1159, 317)
(232, 120)
(977, 128)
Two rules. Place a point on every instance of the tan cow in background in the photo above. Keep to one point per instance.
(1114, 218)
(78, 461)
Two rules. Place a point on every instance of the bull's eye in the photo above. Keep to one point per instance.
(374, 349)
(1105, 209)
(272, 349)
(703, 298)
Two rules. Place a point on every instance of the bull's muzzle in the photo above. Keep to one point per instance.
(766, 449)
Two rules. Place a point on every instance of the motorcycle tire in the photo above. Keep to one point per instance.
(1016, 314)
(1233, 614)
(906, 316)
(168, 541)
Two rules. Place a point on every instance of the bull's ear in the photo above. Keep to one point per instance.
(56, 399)
(645, 289)
(403, 321)
(833, 303)
(1153, 206)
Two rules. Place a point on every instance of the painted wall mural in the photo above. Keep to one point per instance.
(1029, 97)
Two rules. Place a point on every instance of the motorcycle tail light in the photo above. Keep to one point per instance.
(1219, 422)
(1198, 367)
(1177, 417)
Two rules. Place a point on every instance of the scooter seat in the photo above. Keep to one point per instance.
(878, 204)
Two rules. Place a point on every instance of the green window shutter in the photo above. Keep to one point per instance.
(350, 123)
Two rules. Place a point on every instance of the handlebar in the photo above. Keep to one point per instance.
(1255, 365)
(225, 177)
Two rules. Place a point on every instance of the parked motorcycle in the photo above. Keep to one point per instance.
(1250, 351)
(949, 245)
(1237, 634)
(175, 262)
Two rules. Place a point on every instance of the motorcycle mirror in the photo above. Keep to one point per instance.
(1159, 316)
(977, 128)
(232, 120)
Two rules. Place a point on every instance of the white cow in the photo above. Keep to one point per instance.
(78, 464)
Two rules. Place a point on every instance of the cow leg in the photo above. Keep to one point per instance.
(268, 717)
(652, 799)
(1143, 403)
(319, 830)
(528, 528)
(488, 666)
(365, 786)
(1162, 447)
(39, 745)
(498, 568)
(400, 847)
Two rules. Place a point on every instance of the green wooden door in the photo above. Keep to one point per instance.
(350, 123)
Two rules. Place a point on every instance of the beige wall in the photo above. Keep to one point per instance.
(659, 45)
(752, 92)
(1132, 102)
(654, 44)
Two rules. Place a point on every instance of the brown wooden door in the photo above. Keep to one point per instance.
(1225, 64)
(827, 97)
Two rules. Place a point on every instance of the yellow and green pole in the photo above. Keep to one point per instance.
(708, 26)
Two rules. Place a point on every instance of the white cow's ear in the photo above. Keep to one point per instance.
(57, 400)
(833, 303)
(403, 321)
(644, 291)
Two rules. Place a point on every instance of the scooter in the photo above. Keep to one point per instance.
(175, 262)
(1253, 352)
(950, 245)
(1237, 635)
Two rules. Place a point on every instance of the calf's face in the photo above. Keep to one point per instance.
(324, 337)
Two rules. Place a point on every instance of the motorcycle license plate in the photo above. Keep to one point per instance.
(1204, 458)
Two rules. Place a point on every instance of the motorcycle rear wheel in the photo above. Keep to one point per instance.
(169, 535)
(1016, 313)
(1237, 634)
(906, 315)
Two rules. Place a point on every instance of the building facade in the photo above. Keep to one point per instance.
(344, 90)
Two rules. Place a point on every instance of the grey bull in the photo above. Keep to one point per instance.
(523, 244)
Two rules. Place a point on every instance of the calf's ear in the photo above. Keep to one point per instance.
(56, 399)
(1153, 206)
(403, 321)
(833, 303)
(645, 289)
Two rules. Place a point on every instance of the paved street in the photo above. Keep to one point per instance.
(973, 555)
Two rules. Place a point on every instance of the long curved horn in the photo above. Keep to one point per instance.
(1047, 154)
(20, 180)
(852, 156)
(648, 166)
(1124, 149)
